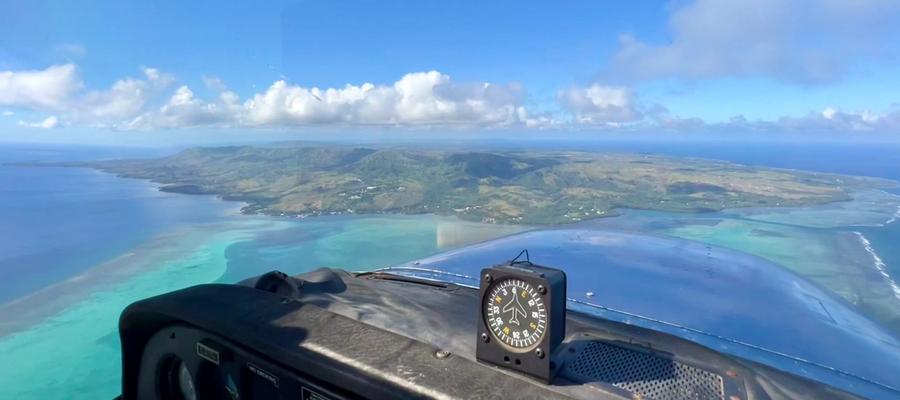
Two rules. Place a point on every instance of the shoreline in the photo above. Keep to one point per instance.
(38, 306)
(822, 247)
(249, 207)
(879, 264)
(106, 274)
(176, 245)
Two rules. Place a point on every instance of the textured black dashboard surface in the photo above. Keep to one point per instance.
(379, 335)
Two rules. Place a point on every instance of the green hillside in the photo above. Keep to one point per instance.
(505, 187)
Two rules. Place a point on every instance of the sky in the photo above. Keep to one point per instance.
(157, 71)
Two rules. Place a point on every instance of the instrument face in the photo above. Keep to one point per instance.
(522, 317)
(515, 314)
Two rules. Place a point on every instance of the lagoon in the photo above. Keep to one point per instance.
(77, 246)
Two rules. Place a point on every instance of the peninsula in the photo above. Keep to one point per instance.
(527, 187)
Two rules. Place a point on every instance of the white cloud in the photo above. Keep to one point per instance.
(659, 117)
(831, 119)
(422, 98)
(157, 78)
(806, 41)
(417, 99)
(48, 123)
(597, 104)
(214, 83)
(184, 110)
(125, 100)
(49, 89)
(58, 89)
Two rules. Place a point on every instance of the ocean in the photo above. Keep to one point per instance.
(865, 158)
(58, 221)
(77, 245)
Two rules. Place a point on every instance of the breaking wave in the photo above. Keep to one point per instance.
(879, 264)
(894, 218)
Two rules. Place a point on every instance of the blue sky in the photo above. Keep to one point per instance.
(112, 70)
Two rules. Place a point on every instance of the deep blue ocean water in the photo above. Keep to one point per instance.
(56, 222)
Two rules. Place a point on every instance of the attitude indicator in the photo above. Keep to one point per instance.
(522, 319)
(516, 314)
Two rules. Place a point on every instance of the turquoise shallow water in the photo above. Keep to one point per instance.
(115, 241)
(78, 346)
(76, 352)
(849, 248)
(81, 245)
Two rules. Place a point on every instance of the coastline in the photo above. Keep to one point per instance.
(104, 275)
(87, 365)
(85, 307)
(817, 243)
(879, 264)
(173, 246)
(23, 312)
(537, 187)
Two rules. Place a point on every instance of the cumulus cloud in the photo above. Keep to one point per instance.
(422, 98)
(214, 83)
(58, 89)
(148, 102)
(48, 123)
(125, 100)
(831, 119)
(659, 117)
(598, 104)
(183, 110)
(617, 107)
(805, 41)
(416, 99)
(47, 89)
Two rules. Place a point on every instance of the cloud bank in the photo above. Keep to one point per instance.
(153, 101)
(416, 99)
(805, 42)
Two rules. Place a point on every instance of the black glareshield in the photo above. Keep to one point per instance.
(330, 334)
(522, 317)
(264, 341)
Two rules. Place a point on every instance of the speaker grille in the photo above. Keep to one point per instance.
(644, 374)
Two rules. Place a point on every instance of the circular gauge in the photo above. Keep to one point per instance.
(515, 314)
(176, 380)
(186, 383)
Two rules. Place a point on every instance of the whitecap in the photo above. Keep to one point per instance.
(879, 264)
(894, 218)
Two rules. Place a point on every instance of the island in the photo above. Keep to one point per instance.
(511, 187)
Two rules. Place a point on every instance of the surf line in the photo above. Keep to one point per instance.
(879, 264)
(894, 218)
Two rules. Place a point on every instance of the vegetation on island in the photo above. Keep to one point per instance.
(529, 187)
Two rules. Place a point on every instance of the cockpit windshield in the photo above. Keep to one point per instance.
(724, 171)
(670, 285)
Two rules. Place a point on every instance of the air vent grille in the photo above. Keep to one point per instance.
(644, 374)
